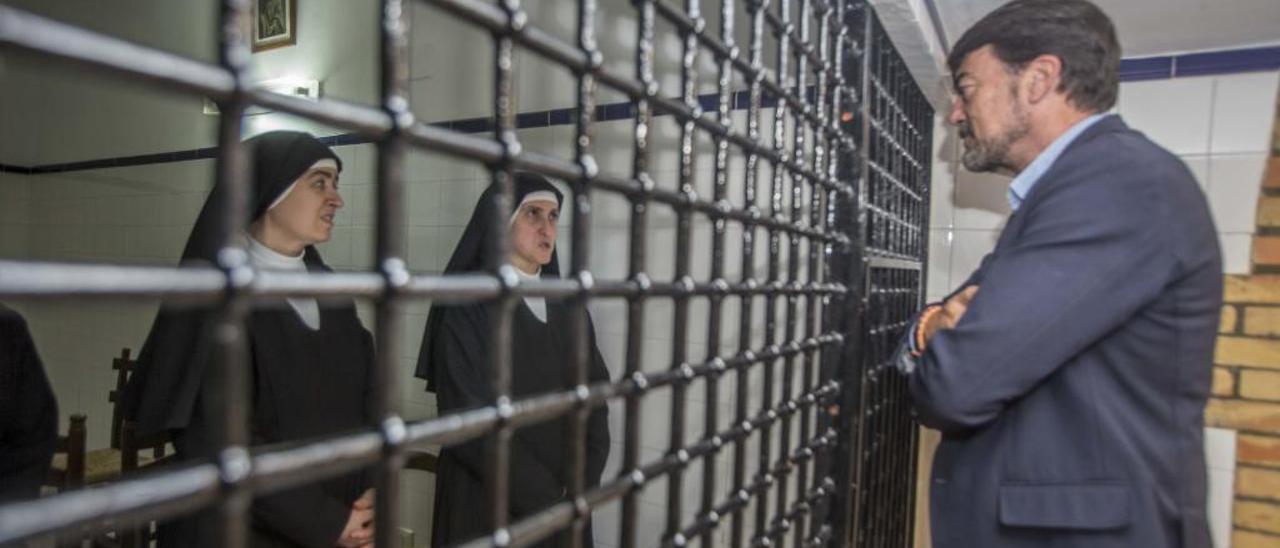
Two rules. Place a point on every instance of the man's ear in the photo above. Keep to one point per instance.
(1041, 77)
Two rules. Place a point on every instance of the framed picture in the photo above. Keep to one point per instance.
(275, 24)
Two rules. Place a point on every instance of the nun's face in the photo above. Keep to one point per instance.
(533, 234)
(305, 216)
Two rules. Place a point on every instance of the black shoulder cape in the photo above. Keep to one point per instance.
(28, 412)
(469, 256)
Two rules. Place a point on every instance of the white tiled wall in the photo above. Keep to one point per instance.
(1220, 458)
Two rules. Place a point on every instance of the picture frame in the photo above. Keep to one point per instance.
(275, 24)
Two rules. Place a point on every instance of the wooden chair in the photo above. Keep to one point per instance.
(133, 451)
(66, 472)
(126, 454)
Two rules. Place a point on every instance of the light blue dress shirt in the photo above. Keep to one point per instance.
(1019, 188)
(1022, 184)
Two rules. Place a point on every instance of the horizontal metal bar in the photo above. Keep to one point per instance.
(894, 264)
(37, 279)
(87, 49)
(51, 39)
(153, 497)
(268, 283)
(276, 467)
(204, 285)
(365, 120)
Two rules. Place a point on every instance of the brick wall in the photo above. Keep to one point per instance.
(1246, 380)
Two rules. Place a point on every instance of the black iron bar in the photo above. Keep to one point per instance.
(640, 203)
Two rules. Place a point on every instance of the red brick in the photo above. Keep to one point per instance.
(1224, 383)
(1260, 483)
(1251, 539)
(1248, 352)
(1260, 385)
(1266, 250)
(1228, 319)
(1258, 450)
(1273, 171)
(1262, 321)
(1257, 515)
(1259, 288)
(1269, 211)
(1243, 415)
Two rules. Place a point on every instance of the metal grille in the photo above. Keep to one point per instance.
(845, 177)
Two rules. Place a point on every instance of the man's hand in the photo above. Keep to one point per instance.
(359, 530)
(952, 310)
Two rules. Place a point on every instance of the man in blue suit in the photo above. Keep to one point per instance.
(1068, 375)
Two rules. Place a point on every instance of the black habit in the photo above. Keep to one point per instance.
(28, 412)
(455, 362)
(305, 383)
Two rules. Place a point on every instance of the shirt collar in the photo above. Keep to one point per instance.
(1021, 185)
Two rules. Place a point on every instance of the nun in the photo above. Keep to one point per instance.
(311, 361)
(455, 362)
(28, 412)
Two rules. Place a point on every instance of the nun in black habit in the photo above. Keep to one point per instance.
(28, 412)
(455, 362)
(311, 361)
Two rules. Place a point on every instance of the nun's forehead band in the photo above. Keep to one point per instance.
(320, 164)
(535, 196)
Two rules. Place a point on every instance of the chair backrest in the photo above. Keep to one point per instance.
(70, 473)
(123, 435)
(123, 366)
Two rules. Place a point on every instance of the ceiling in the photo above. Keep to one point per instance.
(1146, 28)
(1155, 27)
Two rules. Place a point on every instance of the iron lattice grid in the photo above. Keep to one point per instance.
(864, 164)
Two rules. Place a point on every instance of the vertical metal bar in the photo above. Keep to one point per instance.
(745, 324)
(578, 326)
(793, 267)
(804, 523)
(763, 524)
(499, 454)
(724, 104)
(230, 391)
(636, 269)
(832, 266)
(680, 323)
(390, 248)
(852, 216)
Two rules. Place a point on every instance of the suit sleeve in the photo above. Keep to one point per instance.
(534, 485)
(1090, 259)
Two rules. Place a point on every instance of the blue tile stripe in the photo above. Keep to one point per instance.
(1200, 64)
(7, 168)
(1146, 68)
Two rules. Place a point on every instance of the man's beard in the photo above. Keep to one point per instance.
(993, 154)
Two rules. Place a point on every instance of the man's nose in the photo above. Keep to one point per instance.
(956, 116)
(335, 198)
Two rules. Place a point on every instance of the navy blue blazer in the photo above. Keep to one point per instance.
(1071, 395)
